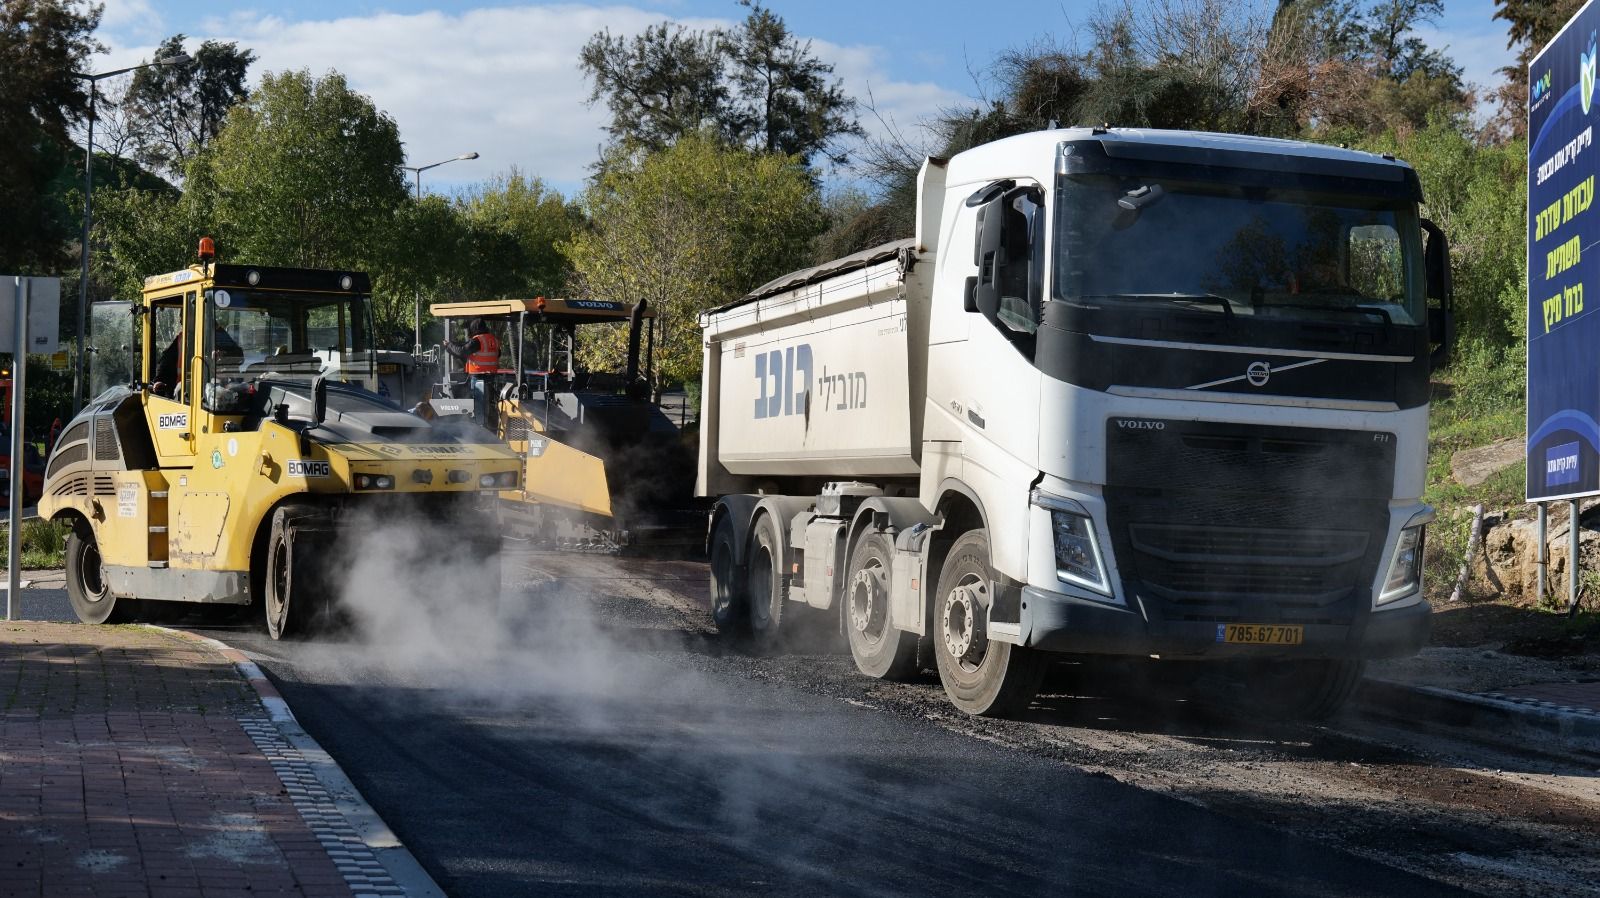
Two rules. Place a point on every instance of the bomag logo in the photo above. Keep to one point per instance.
(299, 468)
(173, 421)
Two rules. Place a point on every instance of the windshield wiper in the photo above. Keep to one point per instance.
(1212, 298)
(1346, 310)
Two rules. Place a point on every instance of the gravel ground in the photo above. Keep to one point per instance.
(1478, 817)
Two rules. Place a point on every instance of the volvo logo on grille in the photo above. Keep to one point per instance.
(1135, 424)
(1258, 374)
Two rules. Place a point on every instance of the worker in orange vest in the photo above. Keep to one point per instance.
(480, 355)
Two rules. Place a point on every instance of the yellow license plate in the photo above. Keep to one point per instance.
(388, 369)
(1260, 634)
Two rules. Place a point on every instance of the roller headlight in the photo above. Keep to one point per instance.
(1405, 568)
(374, 482)
(488, 480)
(1077, 551)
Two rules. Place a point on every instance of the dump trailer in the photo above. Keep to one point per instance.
(218, 464)
(1124, 394)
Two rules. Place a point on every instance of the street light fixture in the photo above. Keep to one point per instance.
(88, 213)
(418, 170)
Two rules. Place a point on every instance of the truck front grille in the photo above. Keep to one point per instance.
(1214, 522)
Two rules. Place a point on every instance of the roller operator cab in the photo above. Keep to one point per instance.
(1125, 393)
(217, 463)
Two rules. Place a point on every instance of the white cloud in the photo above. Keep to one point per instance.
(131, 17)
(503, 82)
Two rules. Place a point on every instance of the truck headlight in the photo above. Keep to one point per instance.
(1077, 551)
(1405, 568)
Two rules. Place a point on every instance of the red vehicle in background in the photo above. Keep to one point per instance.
(32, 459)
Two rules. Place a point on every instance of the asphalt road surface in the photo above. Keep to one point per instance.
(589, 735)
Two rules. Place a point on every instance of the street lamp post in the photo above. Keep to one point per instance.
(417, 315)
(88, 214)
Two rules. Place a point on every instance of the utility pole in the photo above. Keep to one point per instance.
(417, 313)
(88, 216)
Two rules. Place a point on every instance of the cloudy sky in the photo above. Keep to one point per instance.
(501, 78)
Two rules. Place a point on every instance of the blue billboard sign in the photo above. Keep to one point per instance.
(1563, 257)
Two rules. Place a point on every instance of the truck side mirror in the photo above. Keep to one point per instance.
(985, 292)
(1441, 318)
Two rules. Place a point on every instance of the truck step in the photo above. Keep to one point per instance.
(158, 494)
(158, 565)
(158, 529)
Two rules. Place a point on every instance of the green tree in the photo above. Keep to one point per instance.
(687, 228)
(789, 101)
(42, 42)
(756, 85)
(177, 110)
(305, 173)
(516, 225)
(659, 85)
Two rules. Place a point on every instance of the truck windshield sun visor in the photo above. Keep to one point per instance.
(1156, 162)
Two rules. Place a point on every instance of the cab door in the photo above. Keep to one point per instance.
(170, 373)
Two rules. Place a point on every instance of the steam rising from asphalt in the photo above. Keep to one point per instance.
(559, 660)
(423, 600)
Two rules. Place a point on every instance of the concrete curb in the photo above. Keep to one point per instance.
(366, 826)
(1488, 716)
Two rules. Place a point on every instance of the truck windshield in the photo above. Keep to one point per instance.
(1237, 251)
(260, 335)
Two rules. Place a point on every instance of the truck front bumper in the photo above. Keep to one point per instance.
(1058, 622)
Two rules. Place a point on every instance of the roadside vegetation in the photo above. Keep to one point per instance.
(44, 544)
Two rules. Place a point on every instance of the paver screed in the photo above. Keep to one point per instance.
(126, 769)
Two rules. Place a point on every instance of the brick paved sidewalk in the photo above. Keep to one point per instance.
(126, 770)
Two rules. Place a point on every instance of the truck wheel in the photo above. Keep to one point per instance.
(728, 599)
(289, 598)
(768, 583)
(87, 586)
(879, 648)
(980, 675)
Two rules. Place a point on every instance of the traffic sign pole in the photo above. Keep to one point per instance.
(19, 373)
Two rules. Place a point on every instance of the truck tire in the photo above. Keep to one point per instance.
(729, 604)
(981, 676)
(768, 583)
(879, 649)
(290, 587)
(87, 587)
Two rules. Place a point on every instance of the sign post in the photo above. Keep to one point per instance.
(1563, 447)
(19, 373)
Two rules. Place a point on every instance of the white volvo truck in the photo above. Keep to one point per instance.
(1124, 393)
